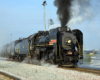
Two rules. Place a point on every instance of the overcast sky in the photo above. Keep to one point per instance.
(22, 18)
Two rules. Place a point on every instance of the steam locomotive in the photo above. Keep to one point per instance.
(61, 46)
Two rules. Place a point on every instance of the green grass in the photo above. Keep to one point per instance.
(87, 57)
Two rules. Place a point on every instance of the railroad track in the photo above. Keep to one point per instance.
(7, 76)
(80, 69)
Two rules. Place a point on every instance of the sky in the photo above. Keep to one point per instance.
(22, 18)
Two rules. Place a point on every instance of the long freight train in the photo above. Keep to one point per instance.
(60, 46)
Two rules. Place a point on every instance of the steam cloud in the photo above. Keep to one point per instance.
(37, 62)
(4, 39)
(81, 10)
(63, 10)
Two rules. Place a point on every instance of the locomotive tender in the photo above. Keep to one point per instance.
(58, 46)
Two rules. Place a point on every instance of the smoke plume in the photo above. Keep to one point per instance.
(75, 11)
(63, 10)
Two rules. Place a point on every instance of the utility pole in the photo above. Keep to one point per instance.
(44, 3)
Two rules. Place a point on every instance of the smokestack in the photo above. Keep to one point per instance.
(63, 10)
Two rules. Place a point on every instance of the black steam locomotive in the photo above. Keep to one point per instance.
(58, 46)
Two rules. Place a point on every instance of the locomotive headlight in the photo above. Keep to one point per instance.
(67, 29)
(69, 41)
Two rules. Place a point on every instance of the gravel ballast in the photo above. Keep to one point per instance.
(34, 72)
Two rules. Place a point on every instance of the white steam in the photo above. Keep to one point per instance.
(81, 10)
(37, 62)
(5, 38)
(54, 26)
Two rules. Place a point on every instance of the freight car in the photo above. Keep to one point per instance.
(61, 46)
(9, 49)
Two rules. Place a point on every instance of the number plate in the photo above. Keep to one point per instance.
(69, 52)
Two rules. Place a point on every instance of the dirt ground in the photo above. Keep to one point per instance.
(2, 77)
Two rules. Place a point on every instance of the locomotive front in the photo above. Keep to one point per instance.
(66, 42)
(67, 49)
